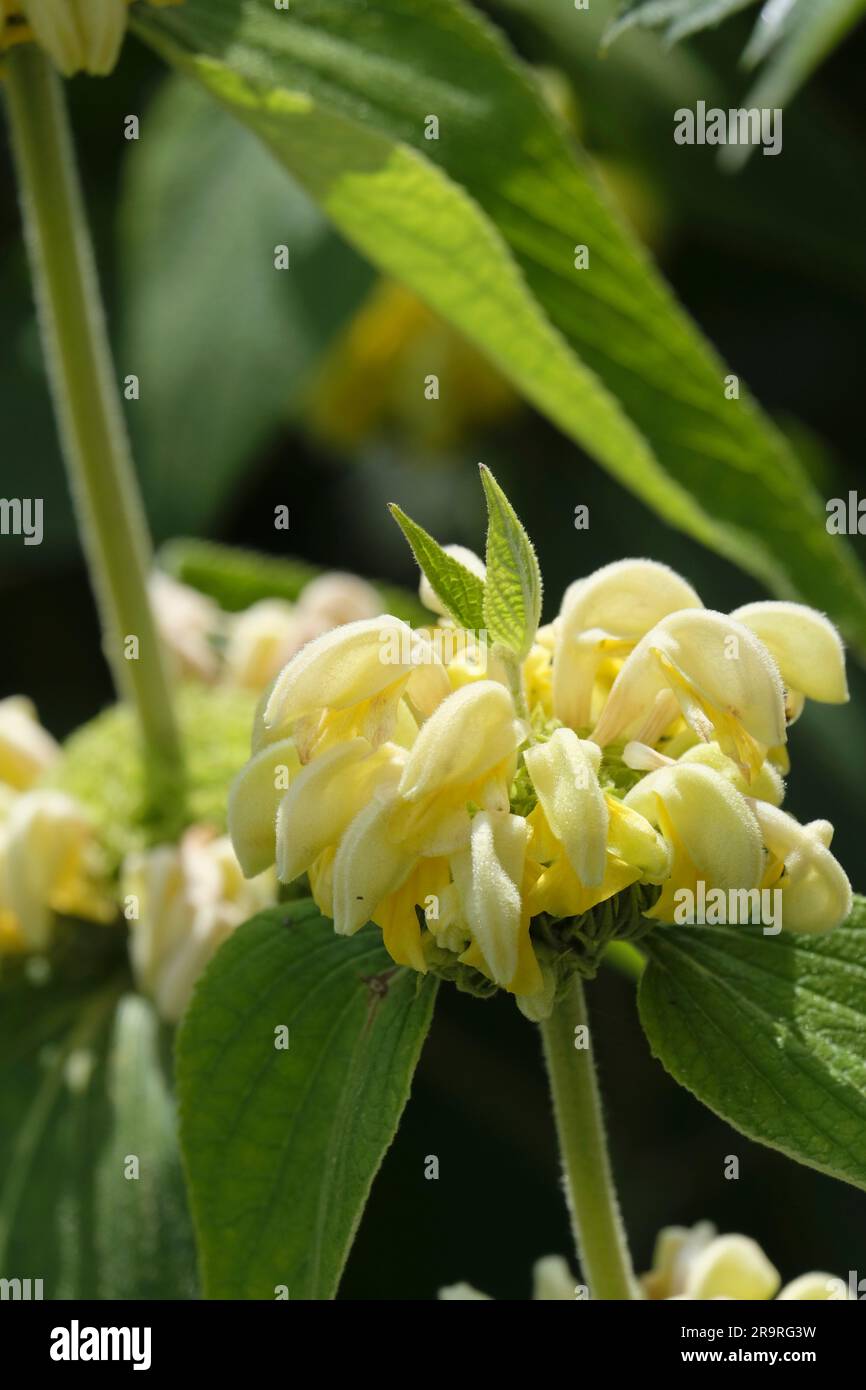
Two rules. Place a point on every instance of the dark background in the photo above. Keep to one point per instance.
(771, 264)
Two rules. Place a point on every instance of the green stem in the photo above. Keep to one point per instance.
(625, 958)
(86, 398)
(595, 1217)
(514, 675)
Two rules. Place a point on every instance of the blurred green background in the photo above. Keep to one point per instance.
(304, 390)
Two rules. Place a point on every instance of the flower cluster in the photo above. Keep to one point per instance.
(183, 897)
(483, 812)
(78, 35)
(687, 1264)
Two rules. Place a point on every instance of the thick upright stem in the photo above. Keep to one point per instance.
(86, 397)
(590, 1192)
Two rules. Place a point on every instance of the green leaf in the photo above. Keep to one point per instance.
(769, 1032)
(512, 591)
(483, 224)
(461, 591)
(281, 1146)
(223, 344)
(144, 1239)
(83, 1084)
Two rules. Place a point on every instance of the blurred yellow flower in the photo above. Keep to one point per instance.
(50, 863)
(26, 749)
(697, 1263)
(182, 902)
(78, 35)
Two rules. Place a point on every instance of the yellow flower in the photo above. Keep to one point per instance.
(49, 864)
(26, 749)
(697, 1263)
(712, 670)
(183, 901)
(816, 893)
(605, 616)
(392, 769)
(806, 648)
(713, 834)
(78, 35)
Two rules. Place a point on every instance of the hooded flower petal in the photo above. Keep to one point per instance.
(368, 866)
(254, 796)
(709, 825)
(325, 796)
(723, 678)
(731, 1267)
(605, 615)
(816, 893)
(345, 667)
(804, 645)
(488, 877)
(564, 772)
(470, 734)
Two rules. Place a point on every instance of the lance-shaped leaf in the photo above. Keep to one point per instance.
(769, 1032)
(512, 591)
(294, 1065)
(461, 591)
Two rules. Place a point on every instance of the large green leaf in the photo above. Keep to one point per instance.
(282, 1144)
(770, 1032)
(83, 1088)
(483, 223)
(222, 342)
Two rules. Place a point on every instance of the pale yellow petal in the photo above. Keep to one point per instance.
(606, 614)
(724, 679)
(325, 796)
(564, 772)
(804, 645)
(254, 796)
(711, 822)
(368, 866)
(816, 892)
(488, 877)
(341, 668)
(470, 734)
(815, 1287)
(731, 1267)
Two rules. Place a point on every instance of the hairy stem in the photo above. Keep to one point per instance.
(86, 398)
(589, 1187)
